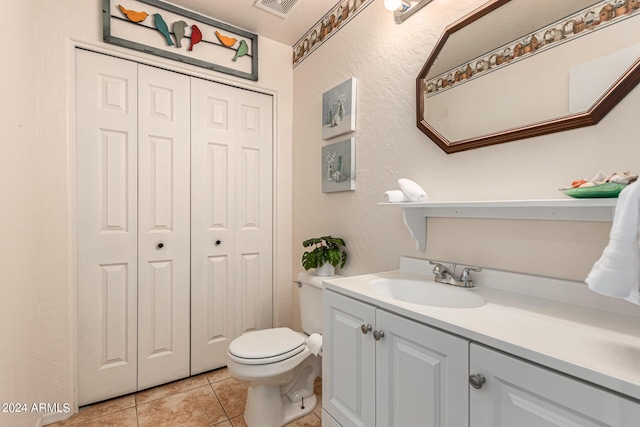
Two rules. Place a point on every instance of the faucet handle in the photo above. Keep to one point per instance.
(465, 276)
(439, 269)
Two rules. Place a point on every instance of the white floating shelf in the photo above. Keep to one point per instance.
(415, 214)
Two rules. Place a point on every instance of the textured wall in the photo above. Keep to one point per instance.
(38, 361)
(386, 58)
(19, 217)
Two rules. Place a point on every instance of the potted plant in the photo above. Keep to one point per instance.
(325, 255)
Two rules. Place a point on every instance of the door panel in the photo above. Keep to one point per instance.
(231, 205)
(421, 375)
(164, 221)
(106, 131)
(348, 382)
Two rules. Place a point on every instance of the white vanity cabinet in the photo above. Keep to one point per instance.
(518, 393)
(380, 369)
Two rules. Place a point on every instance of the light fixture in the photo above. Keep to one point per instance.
(403, 10)
(392, 5)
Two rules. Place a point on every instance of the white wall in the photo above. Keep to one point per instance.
(37, 165)
(386, 58)
(19, 215)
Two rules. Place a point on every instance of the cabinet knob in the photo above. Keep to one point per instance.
(365, 329)
(477, 381)
(378, 335)
(160, 245)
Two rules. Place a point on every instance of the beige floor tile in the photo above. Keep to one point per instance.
(126, 418)
(192, 408)
(171, 388)
(218, 375)
(310, 420)
(238, 421)
(232, 395)
(317, 389)
(223, 424)
(99, 409)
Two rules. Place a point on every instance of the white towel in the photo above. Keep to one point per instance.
(396, 196)
(414, 192)
(617, 272)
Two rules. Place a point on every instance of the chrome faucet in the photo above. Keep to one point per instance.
(446, 276)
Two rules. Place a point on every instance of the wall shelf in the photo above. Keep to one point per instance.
(415, 214)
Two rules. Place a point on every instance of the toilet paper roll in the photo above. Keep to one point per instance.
(314, 343)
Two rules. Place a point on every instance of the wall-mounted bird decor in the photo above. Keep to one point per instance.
(226, 41)
(243, 49)
(133, 15)
(196, 36)
(162, 27)
(178, 31)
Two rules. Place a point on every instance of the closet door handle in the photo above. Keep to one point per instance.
(218, 242)
(160, 245)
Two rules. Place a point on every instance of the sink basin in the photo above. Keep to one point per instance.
(426, 292)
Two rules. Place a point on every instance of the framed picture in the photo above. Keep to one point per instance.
(339, 166)
(339, 109)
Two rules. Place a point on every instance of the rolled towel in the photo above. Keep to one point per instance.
(395, 196)
(412, 190)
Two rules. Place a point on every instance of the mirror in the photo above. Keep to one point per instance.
(515, 69)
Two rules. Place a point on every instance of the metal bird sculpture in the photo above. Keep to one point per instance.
(226, 41)
(133, 15)
(196, 36)
(243, 49)
(178, 31)
(162, 27)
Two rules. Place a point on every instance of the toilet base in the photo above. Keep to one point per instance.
(267, 407)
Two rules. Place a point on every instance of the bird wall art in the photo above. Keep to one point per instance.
(162, 27)
(196, 36)
(133, 15)
(158, 28)
(178, 31)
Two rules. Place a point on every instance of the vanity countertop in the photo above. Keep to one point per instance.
(556, 323)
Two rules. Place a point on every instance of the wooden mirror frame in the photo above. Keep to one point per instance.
(592, 116)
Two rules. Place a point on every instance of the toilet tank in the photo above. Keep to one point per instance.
(310, 297)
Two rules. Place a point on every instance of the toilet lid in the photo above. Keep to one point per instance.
(267, 345)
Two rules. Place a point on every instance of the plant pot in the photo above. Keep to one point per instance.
(325, 270)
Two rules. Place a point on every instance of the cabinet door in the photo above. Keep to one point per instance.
(348, 361)
(163, 226)
(518, 393)
(107, 160)
(421, 375)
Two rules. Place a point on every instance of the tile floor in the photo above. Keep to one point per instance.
(205, 400)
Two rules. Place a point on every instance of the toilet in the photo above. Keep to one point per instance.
(278, 365)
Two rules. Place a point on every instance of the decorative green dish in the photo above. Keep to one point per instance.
(608, 189)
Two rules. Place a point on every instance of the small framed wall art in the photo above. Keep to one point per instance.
(339, 109)
(339, 166)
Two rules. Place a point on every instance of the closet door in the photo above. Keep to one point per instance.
(163, 230)
(106, 133)
(231, 218)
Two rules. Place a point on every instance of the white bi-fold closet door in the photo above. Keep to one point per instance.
(174, 223)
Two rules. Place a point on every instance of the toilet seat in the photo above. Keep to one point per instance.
(267, 346)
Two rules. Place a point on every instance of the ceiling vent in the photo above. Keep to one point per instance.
(281, 8)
